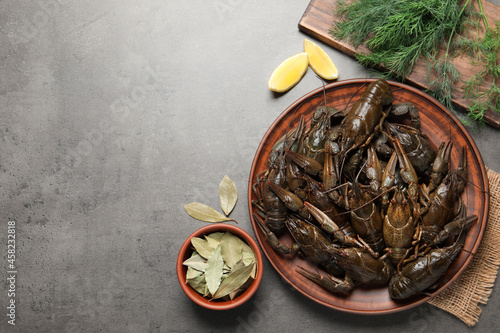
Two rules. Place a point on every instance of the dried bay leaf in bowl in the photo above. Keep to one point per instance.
(221, 266)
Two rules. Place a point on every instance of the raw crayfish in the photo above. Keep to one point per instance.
(367, 200)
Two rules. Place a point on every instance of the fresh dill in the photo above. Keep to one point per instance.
(486, 51)
(399, 33)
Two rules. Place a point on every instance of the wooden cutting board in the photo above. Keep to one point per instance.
(319, 18)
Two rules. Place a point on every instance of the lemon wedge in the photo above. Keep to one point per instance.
(319, 61)
(288, 73)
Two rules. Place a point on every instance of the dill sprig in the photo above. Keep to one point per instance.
(445, 74)
(486, 51)
(399, 33)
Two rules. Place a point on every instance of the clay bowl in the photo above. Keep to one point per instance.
(186, 251)
(440, 125)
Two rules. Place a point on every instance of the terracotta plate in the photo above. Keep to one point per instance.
(440, 125)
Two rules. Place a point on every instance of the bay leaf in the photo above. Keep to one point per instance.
(233, 281)
(205, 213)
(228, 195)
(247, 256)
(245, 262)
(231, 249)
(214, 238)
(232, 295)
(202, 247)
(213, 270)
(235, 293)
(246, 247)
(249, 281)
(198, 283)
(192, 274)
(254, 270)
(196, 262)
(239, 265)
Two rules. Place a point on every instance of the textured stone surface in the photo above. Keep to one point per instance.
(114, 115)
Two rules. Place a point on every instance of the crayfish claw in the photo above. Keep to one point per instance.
(272, 239)
(440, 165)
(309, 165)
(329, 282)
(408, 173)
(290, 200)
(373, 169)
(388, 178)
(454, 227)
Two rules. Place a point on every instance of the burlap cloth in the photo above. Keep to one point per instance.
(474, 286)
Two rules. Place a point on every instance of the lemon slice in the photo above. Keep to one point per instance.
(288, 73)
(320, 62)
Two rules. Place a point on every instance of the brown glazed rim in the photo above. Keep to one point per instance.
(185, 252)
(370, 304)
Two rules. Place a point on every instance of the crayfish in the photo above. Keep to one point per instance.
(365, 196)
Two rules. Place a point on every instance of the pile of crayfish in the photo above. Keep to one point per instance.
(365, 196)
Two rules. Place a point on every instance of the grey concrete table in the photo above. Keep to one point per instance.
(114, 114)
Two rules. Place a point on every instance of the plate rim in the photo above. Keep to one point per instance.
(456, 120)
